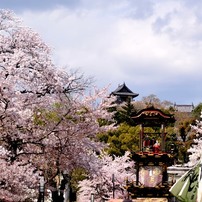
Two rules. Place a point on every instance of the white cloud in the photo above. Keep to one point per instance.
(161, 50)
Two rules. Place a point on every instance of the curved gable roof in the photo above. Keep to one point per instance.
(152, 116)
(123, 90)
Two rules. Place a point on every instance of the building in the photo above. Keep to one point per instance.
(187, 108)
(123, 93)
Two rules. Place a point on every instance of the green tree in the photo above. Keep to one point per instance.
(197, 111)
(124, 112)
(184, 134)
(124, 138)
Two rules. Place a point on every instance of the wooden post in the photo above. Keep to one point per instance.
(163, 137)
(141, 137)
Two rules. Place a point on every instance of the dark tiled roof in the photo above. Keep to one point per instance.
(152, 116)
(123, 90)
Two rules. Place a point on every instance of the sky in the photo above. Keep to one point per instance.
(154, 46)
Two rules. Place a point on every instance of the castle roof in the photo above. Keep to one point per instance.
(123, 90)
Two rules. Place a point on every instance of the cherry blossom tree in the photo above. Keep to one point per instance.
(109, 180)
(71, 143)
(14, 179)
(196, 148)
(196, 152)
(48, 123)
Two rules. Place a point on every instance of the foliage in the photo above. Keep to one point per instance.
(48, 123)
(111, 170)
(14, 179)
(184, 134)
(156, 102)
(196, 148)
(197, 111)
(124, 138)
(77, 175)
(124, 112)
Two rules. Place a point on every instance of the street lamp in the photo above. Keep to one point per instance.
(41, 189)
(92, 197)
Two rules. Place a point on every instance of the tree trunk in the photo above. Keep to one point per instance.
(57, 197)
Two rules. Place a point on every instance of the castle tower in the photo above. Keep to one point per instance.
(123, 93)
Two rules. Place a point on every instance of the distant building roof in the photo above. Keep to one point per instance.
(184, 107)
(123, 90)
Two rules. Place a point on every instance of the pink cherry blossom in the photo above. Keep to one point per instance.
(49, 118)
